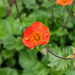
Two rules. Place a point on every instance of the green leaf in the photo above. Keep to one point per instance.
(2, 31)
(38, 69)
(59, 64)
(8, 71)
(61, 32)
(69, 25)
(73, 8)
(11, 62)
(13, 26)
(31, 4)
(11, 43)
(58, 14)
(70, 72)
(3, 9)
(40, 47)
(27, 59)
(47, 3)
(19, 45)
(73, 44)
(72, 35)
(29, 20)
(43, 16)
(7, 54)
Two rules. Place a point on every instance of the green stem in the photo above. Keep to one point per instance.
(53, 15)
(17, 10)
(70, 12)
(63, 16)
(57, 55)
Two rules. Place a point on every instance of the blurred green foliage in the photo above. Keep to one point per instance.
(17, 59)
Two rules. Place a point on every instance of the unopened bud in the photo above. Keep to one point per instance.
(44, 51)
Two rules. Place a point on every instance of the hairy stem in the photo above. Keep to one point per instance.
(17, 10)
(57, 55)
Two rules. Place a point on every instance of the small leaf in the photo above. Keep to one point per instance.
(44, 51)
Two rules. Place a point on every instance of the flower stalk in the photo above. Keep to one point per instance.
(57, 55)
(63, 16)
(70, 13)
(17, 10)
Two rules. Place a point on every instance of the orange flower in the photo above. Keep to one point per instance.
(64, 2)
(35, 35)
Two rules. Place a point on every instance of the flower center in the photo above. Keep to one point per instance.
(64, 0)
(36, 37)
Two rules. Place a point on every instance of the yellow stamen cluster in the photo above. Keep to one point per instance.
(36, 37)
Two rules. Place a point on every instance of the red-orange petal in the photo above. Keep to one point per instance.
(39, 26)
(60, 2)
(67, 2)
(35, 26)
(46, 40)
(28, 43)
(27, 33)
